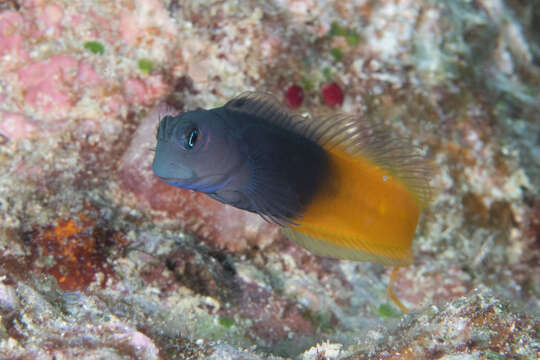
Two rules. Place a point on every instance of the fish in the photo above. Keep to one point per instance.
(341, 186)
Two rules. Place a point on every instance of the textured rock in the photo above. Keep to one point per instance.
(48, 84)
(15, 126)
(98, 259)
(477, 325)
(10, 35)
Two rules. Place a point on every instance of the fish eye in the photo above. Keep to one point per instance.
(190, 138)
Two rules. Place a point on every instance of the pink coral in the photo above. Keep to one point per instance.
(52, 15)
(11, 24)
(15, 126)
(128, 28)
(149, 17)
(47, 84)
(87, 75)
(147, 91)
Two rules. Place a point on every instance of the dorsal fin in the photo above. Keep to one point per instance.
(355, 136)
(266, 107)
(362, 137)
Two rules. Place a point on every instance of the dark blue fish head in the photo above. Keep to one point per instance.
(195, 150)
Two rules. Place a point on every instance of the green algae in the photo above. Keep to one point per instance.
(337, 30)
(225, 321)
(327, 73)
(320, 320)
(452, 67)
(145, 66)
(336, 53)
(94, 47)
(387, 311)
(307, 83)
(352, 38)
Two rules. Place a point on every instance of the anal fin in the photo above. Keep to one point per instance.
(391, 294)
(326, 248)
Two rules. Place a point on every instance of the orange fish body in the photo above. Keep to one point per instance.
(362, 212)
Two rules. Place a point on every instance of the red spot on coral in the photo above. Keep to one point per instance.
(294, 96)
(332, 94)
(77, 249)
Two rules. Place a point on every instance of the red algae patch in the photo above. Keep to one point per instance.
(199, 279)
(294, 96)
(78, 249)
(332, 94)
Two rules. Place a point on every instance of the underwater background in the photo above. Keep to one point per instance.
(100, 260)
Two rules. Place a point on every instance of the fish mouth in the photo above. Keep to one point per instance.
(183, 183)
(192, 184)
(167, 179)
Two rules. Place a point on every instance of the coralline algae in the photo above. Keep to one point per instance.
(99, 259)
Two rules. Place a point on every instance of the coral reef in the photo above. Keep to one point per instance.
(99, 259)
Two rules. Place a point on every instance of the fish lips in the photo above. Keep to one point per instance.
(171, 171)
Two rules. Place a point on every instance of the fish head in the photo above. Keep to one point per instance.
(195, 151)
